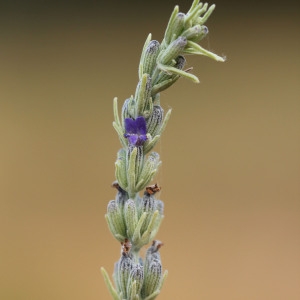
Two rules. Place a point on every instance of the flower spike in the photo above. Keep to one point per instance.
(135, 215)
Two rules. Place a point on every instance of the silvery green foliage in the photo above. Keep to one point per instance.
(133, 219)
(137, 279)
(136, 220)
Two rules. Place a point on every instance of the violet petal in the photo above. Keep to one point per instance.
(130, 126)
(140, 124)
(133, 138)
(143, 138)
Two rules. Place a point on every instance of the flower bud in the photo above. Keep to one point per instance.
(135, 281)
(192, 32)
(201, 35)
(150, 56)
(148, 205)
(128, 109)
(176, 28)
(153, 277)
(135, 162)
(115, 221)
(155, 120)
(152, 269)
(173, 50)
(180, 62)
(121, 170)
(131, 217)
(150, 217)
(178, 25)
(142, 94)
(124, 268)
(149, 169)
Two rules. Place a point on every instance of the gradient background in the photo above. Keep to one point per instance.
(231, 163)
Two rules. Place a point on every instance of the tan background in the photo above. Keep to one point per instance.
(231, 164)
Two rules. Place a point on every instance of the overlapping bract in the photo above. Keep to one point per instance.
(135, 280)
(136, 220)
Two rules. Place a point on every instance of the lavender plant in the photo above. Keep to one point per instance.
(132, 218)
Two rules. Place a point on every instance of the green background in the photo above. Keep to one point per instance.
(231, 164)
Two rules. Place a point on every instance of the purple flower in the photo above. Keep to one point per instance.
(135, 131)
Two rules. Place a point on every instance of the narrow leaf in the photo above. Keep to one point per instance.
(109, 285)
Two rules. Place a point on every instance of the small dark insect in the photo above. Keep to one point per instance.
(152, 189)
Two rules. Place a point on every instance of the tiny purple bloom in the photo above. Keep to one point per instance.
(136, 131)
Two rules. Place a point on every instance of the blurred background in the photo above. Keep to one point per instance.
(231, 164)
